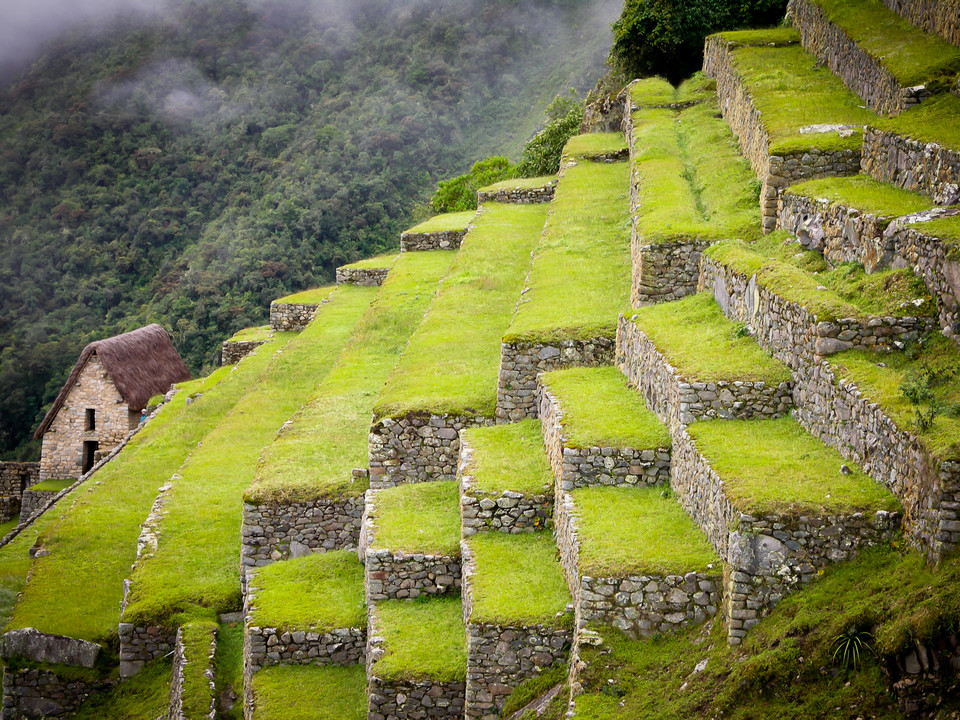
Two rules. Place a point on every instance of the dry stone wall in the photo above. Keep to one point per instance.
(417, 447)
(15, 477)
(233, 351)
(33, 693)
(521, 363)
(367, 277)
(939, 17)
(860, 72)
(34, 502)
(291, 317)
(140, 645)
(263, 647)
(447, 240)
(519, 195)
(576, 467)
(662, 272)
(927, 168)
(180, 661)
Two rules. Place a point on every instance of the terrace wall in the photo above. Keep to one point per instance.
(291, 317)
(590, 466)
(140, 645)
(864, 75)
(521, 196)
(232, 352)
(15, 477)
(34, 502)
(263, 647)
(417, 447)
(368, 277)
(926, 168)
(662, 272)
(180, 661)
(448, 240)
(520, 363)
(33, 693)
(940, 17)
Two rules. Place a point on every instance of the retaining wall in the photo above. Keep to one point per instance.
(939, 17)
(140, 645)
(368, 277)
(522, 196)
(290, 317)
(926, 168)
(15, 477)
(33, 693)
(232, 352)
(663, 272)
(448, 240)
(180, 661)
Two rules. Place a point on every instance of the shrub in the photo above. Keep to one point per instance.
(541, 154)
(460, 193)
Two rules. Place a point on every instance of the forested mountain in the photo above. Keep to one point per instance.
(189, 168)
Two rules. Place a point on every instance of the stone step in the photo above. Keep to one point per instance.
(368, 272)
(812, 129)
(888, 62)
(599, 431)
(410, 541)
(442, 232)
(690, 362)
(515, 604)
(777, 506)
(505, 480)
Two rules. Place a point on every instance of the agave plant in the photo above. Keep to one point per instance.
(850, 646)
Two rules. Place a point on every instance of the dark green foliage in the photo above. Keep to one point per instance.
(851, 646)
(665, 37)
(541, 154)
(460, 193)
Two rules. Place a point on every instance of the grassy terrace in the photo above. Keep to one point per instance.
(316, 593)
(196, 692)
(865, 194)
(934, 366)
(197, 562)
(912, 56)
(419, 518)
(380, 261)
(53, 486)
(601, 410)
(445, 223)
(252, 334)
(775, 466)
(798, 275)
(947, 229)
(314, 456)
(146, 695)
(791, 92)
(472, 310)
(518, 581)
(510, 457)
(91, 534)
(656, 92)
(310, 692)
(423, 639)
(594, 144)
(693, 181)
(635, 531)
(703, 345)
(581, 269)
(936, 120)
(521, 183)
(314, 296)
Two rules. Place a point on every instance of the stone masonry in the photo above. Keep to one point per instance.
(521, 363)
(447, 240)
(663, 271)
(181, 660)
(291, 317)
(34, 693)
(368, 277)
(523, 196)
(940, 17)
(927, 168)
(140, 645)
(233, 351)
(33, 502)
(575, 467)
(15, 479)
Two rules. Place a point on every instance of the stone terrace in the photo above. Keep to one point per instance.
(443, 232)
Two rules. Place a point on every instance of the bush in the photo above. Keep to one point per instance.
(541, 154)
(460, 193)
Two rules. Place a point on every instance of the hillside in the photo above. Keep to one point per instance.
(193, 166)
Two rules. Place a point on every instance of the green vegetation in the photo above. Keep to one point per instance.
(437, 373)
(652, 92)
(6, 528)
(775, 466)
(459, 194)
(314, 296)
(311, 692)
(865, 194)
(701, 343)
(315, 455)
(935, 364)
(542, 153)
(145, 695)
(947, 229)
(767, 37)
(936, 120)
(53, 486)
(912, 56)
(316, 593)
(229, 666)
(380, 261)
(636, 531)
(444, 223)
(518, 581)
(534, 688)
(196, 691)
(601, 410)
(196, 566)
(91, 534)
(422, 640)
(792, 91)
(253, 334)
(510, 457)
(594, 144)
(419, 518)
(522, 183)
(581, 269)
(693, 183)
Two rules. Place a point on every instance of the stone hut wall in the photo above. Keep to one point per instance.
(34, 693)
(875, 85)
(590, 466)
(180, 661)
(926, 168)
(939, 17)
(62, 447)
(232, 352)
(506, 512)
(418, 447)
(280, 531)
(520, 363)
(15, 477)
(140, 645)
(368, 277)
(448, 240)
(522, 196)
(290, 317)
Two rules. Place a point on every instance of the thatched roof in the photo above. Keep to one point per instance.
(141, 363)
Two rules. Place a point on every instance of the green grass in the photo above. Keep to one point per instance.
(316, 593)
(521, 184)
(601, 410)
(422, 640)
(782, 265)
(510, 457)
(581, 269)
(518, 581)
(314, 296)
(703, 345)
(419, 518)
(196, 691)
(912, 56)
(310, 692)
(314, 457)
(52, 486)
(197, 563)
(91, 534)
(775, 466)
(652, 92)
(636, 531)
(229, 666)
(792, 91)
(445, 223)
(252, 334)
(935, 120)
(472, 310)
(880, 379)
(146, 695)
(947, 229)
(865, 194)
(8, 526)
(767, 37)
(595, 144)
(693, 181)
(380, 261)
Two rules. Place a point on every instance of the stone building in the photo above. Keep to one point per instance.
(103, 398)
